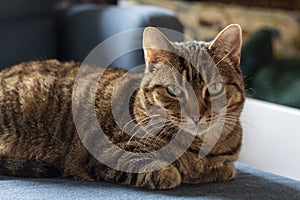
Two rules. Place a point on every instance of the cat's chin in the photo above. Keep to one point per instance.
(194, 130)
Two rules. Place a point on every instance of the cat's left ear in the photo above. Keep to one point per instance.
(228, 43)
(156, 46)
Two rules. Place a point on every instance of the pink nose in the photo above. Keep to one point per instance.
(195, 118)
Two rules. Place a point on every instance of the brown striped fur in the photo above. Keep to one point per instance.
(38, 137)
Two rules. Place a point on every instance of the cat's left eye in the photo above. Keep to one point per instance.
(215, 89)
(174, 90)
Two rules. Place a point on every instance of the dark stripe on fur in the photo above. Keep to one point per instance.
(27, 168)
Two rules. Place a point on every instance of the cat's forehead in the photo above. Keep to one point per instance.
(194, 52)
(191, 47)
(195, 59)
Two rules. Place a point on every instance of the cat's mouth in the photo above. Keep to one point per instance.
(201, 127)
(195, 129)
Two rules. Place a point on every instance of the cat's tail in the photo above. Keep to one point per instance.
(24, 167)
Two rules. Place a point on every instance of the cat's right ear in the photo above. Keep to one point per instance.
(156, 46)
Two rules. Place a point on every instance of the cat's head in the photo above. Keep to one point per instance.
(193, 83)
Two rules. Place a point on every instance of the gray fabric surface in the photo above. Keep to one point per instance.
(249, 184)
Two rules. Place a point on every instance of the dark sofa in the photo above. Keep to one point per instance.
(35, 30)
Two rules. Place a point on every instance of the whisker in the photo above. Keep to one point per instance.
(151, 132)
(163, 131)
(141, 121)
(147, 130)
(123, 129)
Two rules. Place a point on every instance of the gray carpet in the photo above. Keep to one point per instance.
(249, 184)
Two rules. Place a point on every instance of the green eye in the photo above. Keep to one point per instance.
(215, 89)
(174, 91)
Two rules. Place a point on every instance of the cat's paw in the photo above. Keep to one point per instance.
(224, 172)
(229, 172)
(166, 178)
(221, 172)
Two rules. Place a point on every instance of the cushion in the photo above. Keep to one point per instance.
(250, 183)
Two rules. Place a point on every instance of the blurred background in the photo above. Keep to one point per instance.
(34, 30)
(271, 35)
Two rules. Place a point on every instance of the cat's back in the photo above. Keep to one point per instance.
(31, 85)
(35, 102)
(38, 70)
(36, 107)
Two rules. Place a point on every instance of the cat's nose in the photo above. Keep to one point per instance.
(195, 118)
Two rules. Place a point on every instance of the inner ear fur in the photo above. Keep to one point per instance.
(155, 45)
(228, 42)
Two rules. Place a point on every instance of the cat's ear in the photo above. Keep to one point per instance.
(156, 45)
(228, 43)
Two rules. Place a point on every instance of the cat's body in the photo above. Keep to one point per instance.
(38, 137)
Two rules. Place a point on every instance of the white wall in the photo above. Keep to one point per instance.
(271, 138)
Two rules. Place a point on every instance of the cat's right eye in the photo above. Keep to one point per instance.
(174, 90)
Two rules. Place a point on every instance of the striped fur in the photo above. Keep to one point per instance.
(38, 137)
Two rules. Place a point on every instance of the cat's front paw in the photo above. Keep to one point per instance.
(221, 172)
(166, 178)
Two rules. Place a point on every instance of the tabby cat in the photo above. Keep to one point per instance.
(38, 136)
